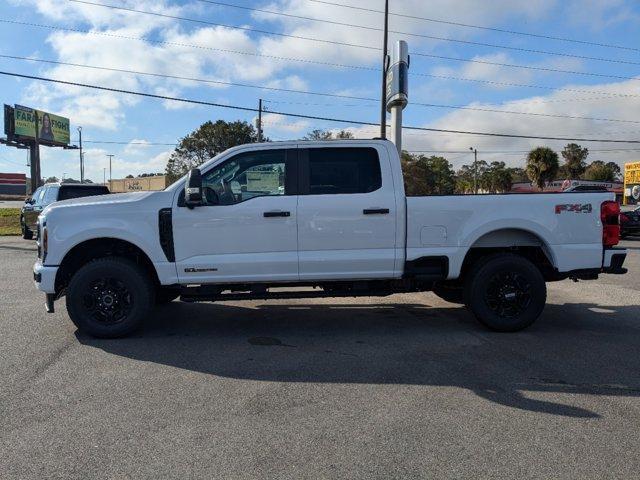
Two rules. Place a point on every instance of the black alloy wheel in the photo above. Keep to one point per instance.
(506, 292)
(110, 297)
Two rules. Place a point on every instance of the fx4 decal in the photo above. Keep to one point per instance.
(574, 207)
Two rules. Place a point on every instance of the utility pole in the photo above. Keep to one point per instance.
(259, 123)
(383, 96)
(110, 177)
(81, 158)
(475, 169)
(104, 176)
(34, 160)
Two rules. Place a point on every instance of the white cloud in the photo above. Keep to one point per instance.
(136, 146)
(556, 103)
(279, 124)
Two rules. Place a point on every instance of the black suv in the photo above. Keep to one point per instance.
(49, 193)
(630, 223)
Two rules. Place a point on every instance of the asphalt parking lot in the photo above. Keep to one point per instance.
(406, 386)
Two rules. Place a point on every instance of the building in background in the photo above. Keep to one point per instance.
(632, 183)
(13, 184)
(138, 184)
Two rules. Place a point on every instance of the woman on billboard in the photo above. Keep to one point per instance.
(45, 131)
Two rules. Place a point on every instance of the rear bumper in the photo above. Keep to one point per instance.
(613, 261)
(44, 277)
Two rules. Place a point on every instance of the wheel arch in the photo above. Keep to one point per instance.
(94, 248)
(520, 241)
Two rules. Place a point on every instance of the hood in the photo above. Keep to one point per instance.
(111, 199)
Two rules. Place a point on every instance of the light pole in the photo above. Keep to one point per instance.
(63, 175)
(475, 169)
(383, 98)
(81, 158)
(110, 177)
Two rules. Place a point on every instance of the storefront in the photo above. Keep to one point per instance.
(138, 184)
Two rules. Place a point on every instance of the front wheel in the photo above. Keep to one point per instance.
(505, 292)
(109, 297)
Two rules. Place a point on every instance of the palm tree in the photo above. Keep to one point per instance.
(542, 166)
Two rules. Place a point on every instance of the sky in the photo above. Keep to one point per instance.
(599, 99)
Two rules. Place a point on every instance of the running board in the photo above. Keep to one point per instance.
(266, 295)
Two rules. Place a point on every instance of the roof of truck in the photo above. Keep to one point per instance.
(74, 185)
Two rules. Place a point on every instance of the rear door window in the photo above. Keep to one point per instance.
(76, 192)
(343, 170)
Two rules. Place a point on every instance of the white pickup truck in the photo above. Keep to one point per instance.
(329, 215)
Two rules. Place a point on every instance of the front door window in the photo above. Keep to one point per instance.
(246, 176)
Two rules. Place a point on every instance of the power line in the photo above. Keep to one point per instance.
(524, 85)
(419, 35)
(311, 117)
(481, 27)
(345, 44)
(518, 152)
(114, 142)
(347, 66)
(235, 27)
(526, 67)
(177, 77)
(322, 94)
(465, 152)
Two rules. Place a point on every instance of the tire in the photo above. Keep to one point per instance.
(110, 297)
(166, 295)
(449, 294)
(26, 233)
(505, 292)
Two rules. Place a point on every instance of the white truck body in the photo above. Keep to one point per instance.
(325, 237)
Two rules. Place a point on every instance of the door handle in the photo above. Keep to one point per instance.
(276, 214)
(375, 211)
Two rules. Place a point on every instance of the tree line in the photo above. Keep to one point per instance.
(424, 175)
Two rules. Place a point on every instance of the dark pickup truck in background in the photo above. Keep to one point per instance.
(49, 193)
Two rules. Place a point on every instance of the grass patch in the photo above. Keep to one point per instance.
(10, 221)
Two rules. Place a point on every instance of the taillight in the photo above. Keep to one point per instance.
(610, 216)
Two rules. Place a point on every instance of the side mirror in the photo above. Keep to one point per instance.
(193, 188)
(28, 201)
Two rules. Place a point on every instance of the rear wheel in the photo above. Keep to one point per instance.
(505, 292)
(26, 233)
(109, 297)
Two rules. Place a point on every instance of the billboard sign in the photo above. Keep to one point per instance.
(46, 127)
(632, 183)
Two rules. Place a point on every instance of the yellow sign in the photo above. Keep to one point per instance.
(631, 181)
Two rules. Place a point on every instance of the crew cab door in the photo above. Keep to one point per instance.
(347, 213)
(246, 231)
